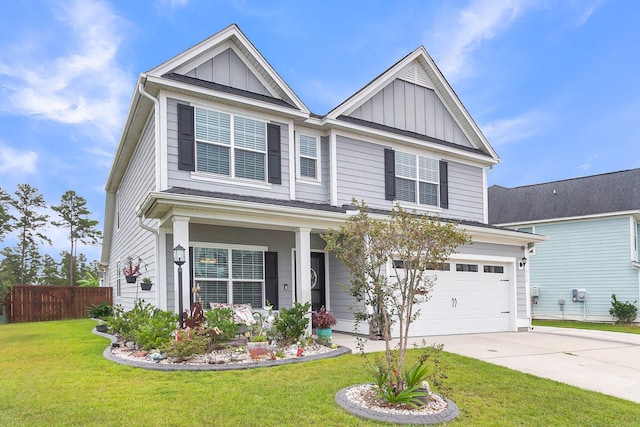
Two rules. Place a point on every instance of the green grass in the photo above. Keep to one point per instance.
(53, 374)
(630, 329)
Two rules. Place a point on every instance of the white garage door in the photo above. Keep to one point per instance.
(472, 297)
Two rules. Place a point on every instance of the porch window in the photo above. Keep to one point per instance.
(232, 276)
(416, 178)
(230, 145)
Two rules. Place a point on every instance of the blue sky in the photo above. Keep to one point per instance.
(552, 84)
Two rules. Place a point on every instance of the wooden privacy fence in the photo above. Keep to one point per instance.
(40, 303)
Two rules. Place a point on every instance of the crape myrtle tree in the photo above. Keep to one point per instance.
(408, 246)
(74, 216)
(28, 224)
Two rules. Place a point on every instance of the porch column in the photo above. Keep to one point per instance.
(303, 270)
(181, 237)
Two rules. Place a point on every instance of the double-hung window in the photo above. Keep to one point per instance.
(230, 145)
(308, 154)
(416, 178)
(232, 276)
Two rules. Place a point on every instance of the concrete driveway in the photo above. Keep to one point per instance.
(606, 362)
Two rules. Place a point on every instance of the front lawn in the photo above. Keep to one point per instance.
(630, 329)
(53, 374)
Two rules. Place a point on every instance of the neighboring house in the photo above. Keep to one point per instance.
(220, 156)
(592, 226)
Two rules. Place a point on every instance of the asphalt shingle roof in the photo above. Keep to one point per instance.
(590, 195)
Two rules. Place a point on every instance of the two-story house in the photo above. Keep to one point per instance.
(220, 156)
(592, 223)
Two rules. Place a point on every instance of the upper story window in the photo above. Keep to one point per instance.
(416, 178)
(230, 145)
(308, 157)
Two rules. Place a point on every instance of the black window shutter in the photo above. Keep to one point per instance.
(389, 174)
(444, 184)
(186, 138)
(273, 153)
(271, 278)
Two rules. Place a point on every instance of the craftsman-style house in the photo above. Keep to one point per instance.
(220, 156)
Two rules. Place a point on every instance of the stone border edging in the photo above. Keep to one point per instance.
(221, 367)
(448, 414)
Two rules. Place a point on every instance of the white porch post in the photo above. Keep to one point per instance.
(181, 237)
(303, 270)
(161, 269)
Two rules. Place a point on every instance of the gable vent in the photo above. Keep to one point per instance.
(415, 75)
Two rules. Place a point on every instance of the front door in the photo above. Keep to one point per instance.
(317, 281)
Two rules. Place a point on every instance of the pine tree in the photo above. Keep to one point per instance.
(28, 224)
(5, 217)
(74, 216)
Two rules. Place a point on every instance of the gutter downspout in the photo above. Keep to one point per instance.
(161, 284)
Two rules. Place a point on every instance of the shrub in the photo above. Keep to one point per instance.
(292, 323)
(188, 342)
(100, 311)
(222, 319)
(623, 312)
(147, 326)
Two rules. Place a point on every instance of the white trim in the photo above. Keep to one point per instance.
(384, 138)
(215, 245)
(485, 197)
(481, 258)
(306, 179)
(333, 163)
(569, 218)
(634, 239)
(292, 160)
(224, 179)
(161, 145)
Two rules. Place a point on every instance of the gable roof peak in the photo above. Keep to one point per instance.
(230, 37)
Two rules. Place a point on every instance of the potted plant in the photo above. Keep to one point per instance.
(323, 320)
(131, 269)
(258, 347)
(146, 284)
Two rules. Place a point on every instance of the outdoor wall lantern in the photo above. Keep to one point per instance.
(178, 259)
(523, 262)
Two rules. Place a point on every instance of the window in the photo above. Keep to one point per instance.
(308, 151)
(232, 276)
(399, 264)
(240, 153)
(416, 179)
(494, 269)
(467, 267)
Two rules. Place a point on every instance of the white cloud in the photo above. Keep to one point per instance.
(481, 20)
(173, 3)
(17, 162)
(82, 83)
(512, 129)
(588, 163)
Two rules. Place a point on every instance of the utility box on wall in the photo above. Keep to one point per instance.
(579, 295)
(535, 291)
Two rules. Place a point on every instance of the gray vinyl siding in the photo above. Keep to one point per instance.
(180, 178)
(229, 70)
(129, 239)
(414, 108)
(515, 252)
(361, 175)
(340, 300)
(594, 255)
(317, 192)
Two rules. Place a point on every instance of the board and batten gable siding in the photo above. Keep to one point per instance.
(228, 69)
(361, 175)
(593, 255)
(414, 108)
(181, 178)
(317, 192)
(129, 239)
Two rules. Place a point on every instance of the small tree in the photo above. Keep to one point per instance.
(367, 246)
